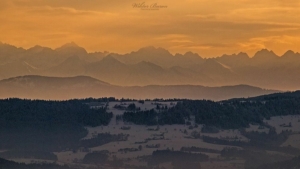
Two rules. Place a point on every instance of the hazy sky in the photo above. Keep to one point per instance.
(208, 27)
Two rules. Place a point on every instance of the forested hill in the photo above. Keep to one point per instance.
(227, 114)
(46, 125)
(5, 164)
(273, 96)
(240, 112)
(233, 113)
(21, 113)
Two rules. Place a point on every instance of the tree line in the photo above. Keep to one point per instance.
(228, 114)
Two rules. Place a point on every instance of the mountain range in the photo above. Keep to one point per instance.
(154, 66)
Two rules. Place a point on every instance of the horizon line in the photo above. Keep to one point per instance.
(89, 52)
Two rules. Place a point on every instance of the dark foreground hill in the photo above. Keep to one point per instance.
(6, 164)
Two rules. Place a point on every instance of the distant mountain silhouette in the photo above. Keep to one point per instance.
(38, 49)
(108, 69)
(72, 66)
(43, 81)
(71, 49)
(149, 54)
(16, 68)
(290, 57)
(265, 54)
(40, 87)
(50, 87)
(161, 57)
(214, 69)
(154, 66)
(9, 53)
(290, 53)
(235, 60)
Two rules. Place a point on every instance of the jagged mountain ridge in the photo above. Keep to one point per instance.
(154, 66)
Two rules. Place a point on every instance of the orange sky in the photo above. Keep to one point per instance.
(208, 27)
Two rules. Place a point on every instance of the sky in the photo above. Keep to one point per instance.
(208, 27)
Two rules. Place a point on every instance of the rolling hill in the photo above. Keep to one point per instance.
(61, 88)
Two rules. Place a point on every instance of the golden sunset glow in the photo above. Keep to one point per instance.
(208, 27)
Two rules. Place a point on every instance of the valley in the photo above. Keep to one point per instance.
(124, 143)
